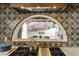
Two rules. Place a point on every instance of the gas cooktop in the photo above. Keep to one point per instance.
(26, 51)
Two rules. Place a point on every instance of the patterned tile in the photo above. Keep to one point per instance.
(69, 19)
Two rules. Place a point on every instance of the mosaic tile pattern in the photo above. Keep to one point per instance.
(69, 19)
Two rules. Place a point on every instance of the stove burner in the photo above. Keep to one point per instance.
(24, 51)
(55, 51)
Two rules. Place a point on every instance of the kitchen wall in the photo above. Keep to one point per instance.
(9, 18)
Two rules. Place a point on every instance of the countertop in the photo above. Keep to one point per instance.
(44, 52)
(6, 53)
(68, 51)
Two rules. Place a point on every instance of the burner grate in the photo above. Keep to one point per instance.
(24, 51)
(55, 51)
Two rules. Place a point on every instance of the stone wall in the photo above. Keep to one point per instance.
(9, 18)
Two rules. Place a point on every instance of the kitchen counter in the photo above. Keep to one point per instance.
(6, 53)
(44, 52)
(68, 51)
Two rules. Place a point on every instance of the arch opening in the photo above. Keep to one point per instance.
(35, 27)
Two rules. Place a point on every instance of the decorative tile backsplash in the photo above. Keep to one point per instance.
(9, 18)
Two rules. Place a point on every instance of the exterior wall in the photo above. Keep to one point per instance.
(9, 18)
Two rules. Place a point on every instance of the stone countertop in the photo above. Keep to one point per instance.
(6, 53)
(70, 51)
(44, 52)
